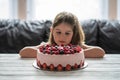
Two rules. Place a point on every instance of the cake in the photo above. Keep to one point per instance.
(60, 58)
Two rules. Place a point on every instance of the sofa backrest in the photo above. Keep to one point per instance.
(16, 34)
(103, 33)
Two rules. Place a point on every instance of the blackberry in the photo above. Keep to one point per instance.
(61, 51)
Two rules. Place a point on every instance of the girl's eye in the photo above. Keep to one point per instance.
(67, 33)
(58, 32)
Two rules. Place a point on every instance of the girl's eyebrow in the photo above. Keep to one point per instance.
(69, 31)
(59, 30)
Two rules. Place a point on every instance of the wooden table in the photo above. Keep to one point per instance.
(12, 67)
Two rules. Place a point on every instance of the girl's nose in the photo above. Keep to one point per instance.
(62, 36)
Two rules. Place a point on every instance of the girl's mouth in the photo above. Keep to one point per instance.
(62, 41)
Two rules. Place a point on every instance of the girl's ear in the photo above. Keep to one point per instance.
(51, 29)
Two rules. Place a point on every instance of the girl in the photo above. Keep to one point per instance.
(66, 30)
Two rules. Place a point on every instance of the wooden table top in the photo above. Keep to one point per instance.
(12, 67)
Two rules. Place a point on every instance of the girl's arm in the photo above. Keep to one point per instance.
(93, 51)
(30, 51)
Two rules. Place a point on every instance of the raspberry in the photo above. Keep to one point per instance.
(66, 49)
(44, 66)
(81, 63)
(59, 67)
(72, 51)
(62, 45)
(47, 51)
(53, 45)
(63, 49)
(41, 49)
(75, 66)
(67, 52)
(70, 45)
(38, 64)
(78, 49)
(53, 48)
(68, 67)
(51, 67)
(47, 45)
(55, 52)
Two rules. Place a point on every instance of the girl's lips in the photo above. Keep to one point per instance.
(62, 41)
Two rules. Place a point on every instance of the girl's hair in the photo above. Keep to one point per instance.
(69, 18)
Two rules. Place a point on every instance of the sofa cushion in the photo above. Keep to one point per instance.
(90, 28)
(16, 34)
(109, 35)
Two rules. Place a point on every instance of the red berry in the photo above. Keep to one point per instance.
(44, 66)
(51, 67)
(75, 66)
(53, 45)
(67, 52)
(81, 63)
(41, 49)
(62, 45)
(72, 51)
(78, 49)
(47, 51)
(54, 49)
(56, 52)
(47, 45)
(38, 64)
(59, 67)
(68, 67)
(66, 49)
(70, 45)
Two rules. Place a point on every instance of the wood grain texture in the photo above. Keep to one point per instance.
(12, 67)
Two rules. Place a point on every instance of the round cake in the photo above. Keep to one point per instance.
(60, 58)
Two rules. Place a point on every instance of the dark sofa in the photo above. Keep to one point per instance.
(16, 34)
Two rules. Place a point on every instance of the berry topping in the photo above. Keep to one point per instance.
(63, 49)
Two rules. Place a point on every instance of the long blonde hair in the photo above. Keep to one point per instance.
(66, 17)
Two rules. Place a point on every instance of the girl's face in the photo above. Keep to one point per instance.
(62, 34)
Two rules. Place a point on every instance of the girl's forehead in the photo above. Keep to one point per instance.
(64, 26)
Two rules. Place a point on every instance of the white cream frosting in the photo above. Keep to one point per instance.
(63, 59)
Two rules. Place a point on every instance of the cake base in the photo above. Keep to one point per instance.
(35, 66)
